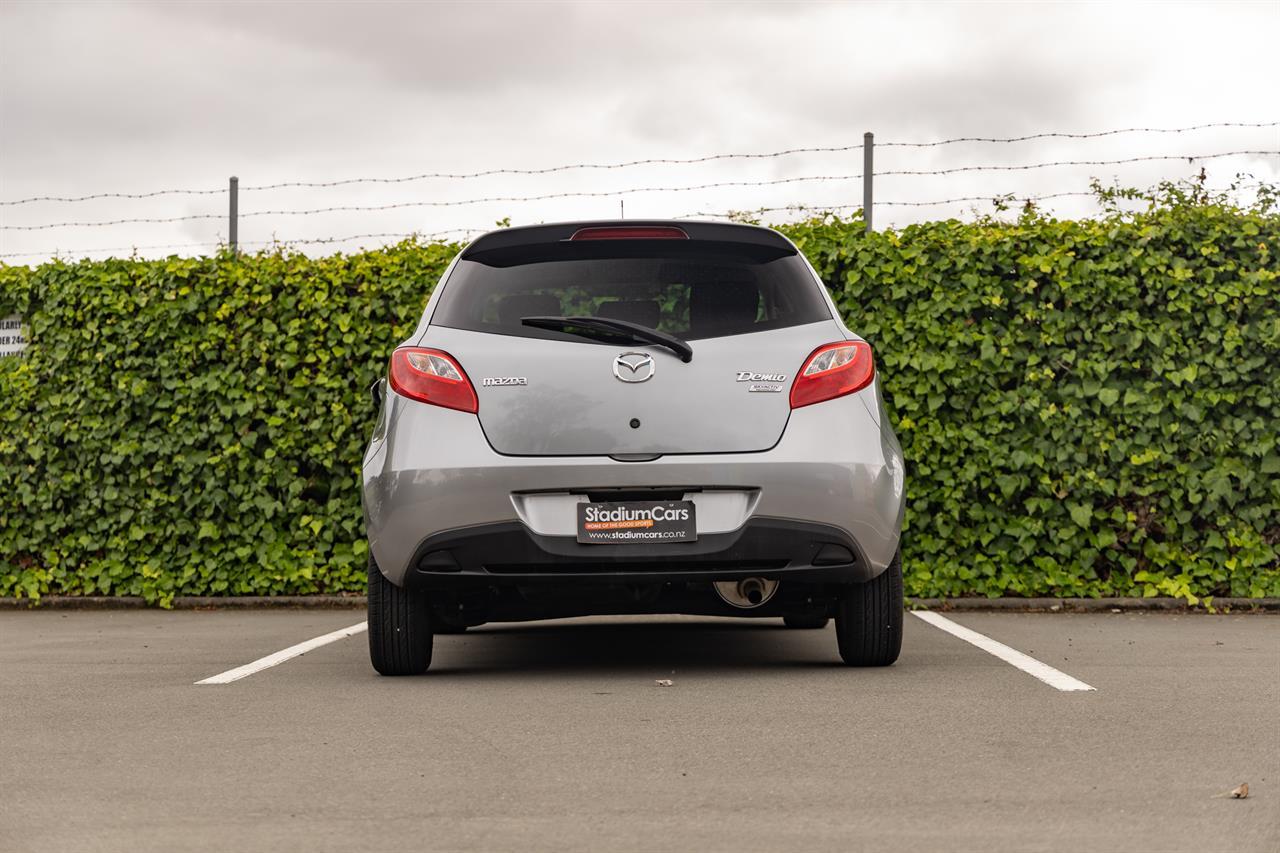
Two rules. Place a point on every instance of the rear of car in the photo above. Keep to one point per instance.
(632, 417)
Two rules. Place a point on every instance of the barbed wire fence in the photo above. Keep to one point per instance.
(1269, 148)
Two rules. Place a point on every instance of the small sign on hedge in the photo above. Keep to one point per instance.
(12, 338)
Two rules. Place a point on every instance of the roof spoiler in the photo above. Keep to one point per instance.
(532, 235)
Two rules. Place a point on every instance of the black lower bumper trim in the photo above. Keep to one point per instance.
(509, 553)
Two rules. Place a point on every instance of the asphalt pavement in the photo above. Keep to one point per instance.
(557, 736)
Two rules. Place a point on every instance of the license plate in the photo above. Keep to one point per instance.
(636, 522)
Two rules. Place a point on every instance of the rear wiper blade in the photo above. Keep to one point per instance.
(634, 331)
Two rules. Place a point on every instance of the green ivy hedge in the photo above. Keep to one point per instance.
(1087, 408)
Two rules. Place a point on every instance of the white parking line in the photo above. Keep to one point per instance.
(1050, 676)
(283, 655)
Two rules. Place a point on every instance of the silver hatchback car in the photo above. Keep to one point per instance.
(632, 417)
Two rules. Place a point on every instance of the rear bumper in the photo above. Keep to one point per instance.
(429, 474)
(511, 554)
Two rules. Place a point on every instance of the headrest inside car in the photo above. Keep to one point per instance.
(723, 307)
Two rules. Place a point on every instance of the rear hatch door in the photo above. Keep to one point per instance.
(741, 296)
(559, 397)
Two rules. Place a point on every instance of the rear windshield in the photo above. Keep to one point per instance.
(696, 289)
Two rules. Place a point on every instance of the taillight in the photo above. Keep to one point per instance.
(831, 371)
(432, 376)
(630, 232)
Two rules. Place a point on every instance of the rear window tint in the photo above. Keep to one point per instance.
(689, 289)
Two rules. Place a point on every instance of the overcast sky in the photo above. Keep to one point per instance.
(135, 97)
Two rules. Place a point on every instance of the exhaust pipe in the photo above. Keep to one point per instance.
(746, 593)
(752, 589)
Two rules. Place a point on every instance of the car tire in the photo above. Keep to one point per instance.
(869, 619)
(806, 621)
(400, 638)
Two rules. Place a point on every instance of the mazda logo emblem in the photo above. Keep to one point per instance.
(633, 367)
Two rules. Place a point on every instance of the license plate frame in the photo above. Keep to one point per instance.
(636, 522)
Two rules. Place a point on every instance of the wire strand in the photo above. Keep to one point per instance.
(153, 194)
(834, 149)
(1011, 198)
(409, 204)
(290, 241)
(57, 252)
(1190, 158)
(565, 168)
(1095, 135)
(274, 242)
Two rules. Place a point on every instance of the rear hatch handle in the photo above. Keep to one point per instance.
(597, 327)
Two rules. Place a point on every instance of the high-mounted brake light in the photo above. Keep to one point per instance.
(831, 371)
(432, 376)
(638, 232)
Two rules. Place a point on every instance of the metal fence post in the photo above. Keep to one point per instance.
(233, 230)
(868, 150)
